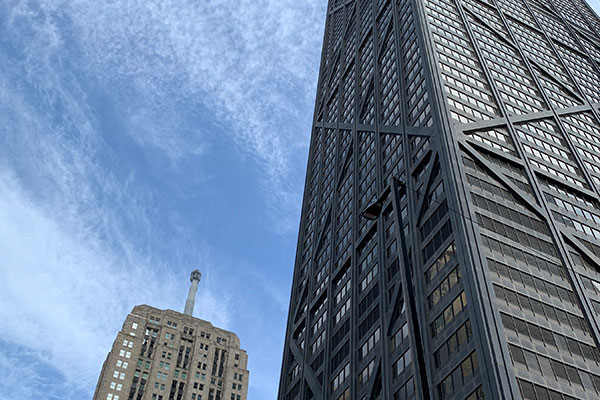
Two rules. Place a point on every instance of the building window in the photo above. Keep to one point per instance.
(345, 395)
(459, 377)
(341, 377)
(134, 325)
(363, 377)
(400, 336)
(449, 313)
(402, 363)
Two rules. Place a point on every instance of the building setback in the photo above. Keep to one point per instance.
(473, 125)
(167, 355)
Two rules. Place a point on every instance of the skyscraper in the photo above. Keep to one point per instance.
(167, 355)
(467, 133)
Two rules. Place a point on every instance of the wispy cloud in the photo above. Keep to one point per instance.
(62, 289)
(75, 238)
(22, 377)
(82, 239)
(249, 64)
(47, 279)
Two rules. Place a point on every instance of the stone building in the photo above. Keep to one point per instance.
(167, 355)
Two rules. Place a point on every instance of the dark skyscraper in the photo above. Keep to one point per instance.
(473, 125)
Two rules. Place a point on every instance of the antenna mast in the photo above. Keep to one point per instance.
(191, 300)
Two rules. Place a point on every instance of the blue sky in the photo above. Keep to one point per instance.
(141, 139)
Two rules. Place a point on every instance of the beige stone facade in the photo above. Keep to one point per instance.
(166, 355)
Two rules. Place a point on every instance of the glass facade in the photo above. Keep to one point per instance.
(480, 279)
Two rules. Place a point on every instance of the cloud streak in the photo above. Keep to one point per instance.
(75, 238)
(250, 64)
(62, 289)
(83, 239)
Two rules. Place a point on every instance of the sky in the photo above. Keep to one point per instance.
(139, 140)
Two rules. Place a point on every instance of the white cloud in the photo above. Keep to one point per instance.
(19, 366)
(64, 295)
(58, 293)
(252, 64)
(75, 241)
(80, 243)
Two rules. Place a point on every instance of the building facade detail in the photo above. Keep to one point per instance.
(167, 355)
(488, 114)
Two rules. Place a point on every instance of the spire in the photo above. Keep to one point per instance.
(189, 304)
